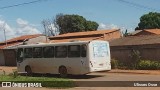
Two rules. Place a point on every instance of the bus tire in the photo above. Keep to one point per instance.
(28, 70)
(63, 71)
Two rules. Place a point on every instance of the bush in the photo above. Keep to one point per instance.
(141, 65)
(148, 65)
(114, 64)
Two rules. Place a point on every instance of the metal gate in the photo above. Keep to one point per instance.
(10, 57)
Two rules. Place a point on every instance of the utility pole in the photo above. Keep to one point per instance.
(44, 25)
(4, 29)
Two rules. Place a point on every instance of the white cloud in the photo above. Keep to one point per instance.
(103, 26)
(21, 22)
(23, 28)
(107, 26)
(8, 30)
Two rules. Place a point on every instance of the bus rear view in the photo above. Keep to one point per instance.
(99, 57)
(64, 58)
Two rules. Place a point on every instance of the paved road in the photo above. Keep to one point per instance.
(106, 77)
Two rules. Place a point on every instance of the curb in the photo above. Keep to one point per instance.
(150, 72)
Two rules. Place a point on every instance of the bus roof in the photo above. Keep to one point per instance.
(61, 43)
(49, 44)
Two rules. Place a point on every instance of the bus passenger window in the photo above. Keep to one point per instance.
(83, 50)
(61, 51)
(28, 52)
(20, 55)
(74, 51)
(48, 52)
(37, 52)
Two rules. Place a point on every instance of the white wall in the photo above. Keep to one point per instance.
(37, 40)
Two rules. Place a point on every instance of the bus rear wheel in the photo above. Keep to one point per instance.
(28, 71)
(63, 71)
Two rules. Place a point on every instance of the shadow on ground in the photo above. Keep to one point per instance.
(69, 76)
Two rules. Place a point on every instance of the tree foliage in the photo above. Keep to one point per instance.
(149, 21)
(74, 23)
(50, 27)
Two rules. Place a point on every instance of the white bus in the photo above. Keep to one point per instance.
(78, 58)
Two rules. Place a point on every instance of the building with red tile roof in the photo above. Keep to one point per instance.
(9, 46)
(89, 35)
(146, 32)
(20, 40)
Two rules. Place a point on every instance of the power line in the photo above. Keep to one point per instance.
(21, 4)
(138, 5)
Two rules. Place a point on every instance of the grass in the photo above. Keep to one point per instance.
(45, 81)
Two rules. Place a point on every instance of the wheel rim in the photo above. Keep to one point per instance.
(63, 72)
(29, 71)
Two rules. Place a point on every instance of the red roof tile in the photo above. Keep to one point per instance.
(18, 40)
(21, 38)
(136, 40)
(78, 39)
(8, 45)
(150, 31)
(85, 33)
(154, 31)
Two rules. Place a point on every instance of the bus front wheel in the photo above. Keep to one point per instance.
(28, 71)
(63, 71)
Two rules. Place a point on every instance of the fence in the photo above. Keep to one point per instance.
(125, 53)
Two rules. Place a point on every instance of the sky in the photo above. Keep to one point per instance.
(109, 14)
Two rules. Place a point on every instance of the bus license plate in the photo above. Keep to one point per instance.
(101, 64)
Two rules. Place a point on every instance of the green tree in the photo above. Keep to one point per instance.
(149, 21)
(91, 25)
(74, 23)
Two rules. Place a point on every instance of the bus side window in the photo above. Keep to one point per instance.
(37, 52)
(60, 51)
(48, 52)
(28, 52)
(20, 55)
(83, 50)
(73, 51)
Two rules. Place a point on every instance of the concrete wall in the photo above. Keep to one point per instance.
(2, 62)
(124, 53)
(37, 40)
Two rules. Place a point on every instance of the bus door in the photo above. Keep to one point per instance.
(20, 56)
(84, 55)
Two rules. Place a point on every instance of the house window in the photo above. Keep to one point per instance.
(61, 51)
